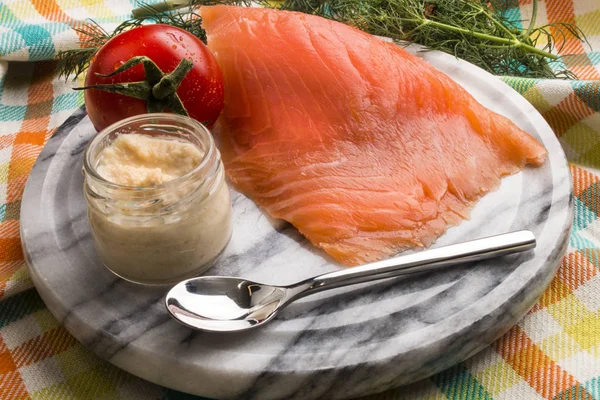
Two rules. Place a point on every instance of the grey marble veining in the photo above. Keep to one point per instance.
(333, 345)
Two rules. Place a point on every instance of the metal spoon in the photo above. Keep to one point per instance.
(227, 304)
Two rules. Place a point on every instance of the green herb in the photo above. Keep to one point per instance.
(74, 62)
(475, 30)
(478, 31)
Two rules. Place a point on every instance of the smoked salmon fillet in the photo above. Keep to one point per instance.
(366, 149)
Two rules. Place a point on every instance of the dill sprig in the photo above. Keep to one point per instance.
(477, 31)
(474, 30)
(72, 63)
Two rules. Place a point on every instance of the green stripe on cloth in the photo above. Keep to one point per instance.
(18, 306)
(457, 383)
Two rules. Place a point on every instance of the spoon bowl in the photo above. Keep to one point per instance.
(229, 304)
(224, 303)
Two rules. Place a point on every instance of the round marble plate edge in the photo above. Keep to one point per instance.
(80, 114)
(31, 189)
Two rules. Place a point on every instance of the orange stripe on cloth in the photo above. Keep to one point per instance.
(31, 137)
(41, 88)
(50, 10)
(11, 384)
(575, 270)
(48, 344)
(9, 229)
(563, 11)
(7, 271)
(8, 268)
(7, 140)
(582, 179)
(22, 160)
(28, 151)
(557, 290)
(10, 249)
(35, 125)
(581, 269)
(16, 184)
(586, 194)
(567, 113)
(572, 50)
(579, 64)
(6, 362)
(13, 387)
(535, 367)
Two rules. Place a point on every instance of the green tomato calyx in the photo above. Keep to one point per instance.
(159, 90)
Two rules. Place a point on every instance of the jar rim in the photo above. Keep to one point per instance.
(199, 128)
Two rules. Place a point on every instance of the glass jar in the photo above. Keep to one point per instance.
(163, 233)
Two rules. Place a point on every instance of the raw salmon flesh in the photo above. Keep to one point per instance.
(366, 149)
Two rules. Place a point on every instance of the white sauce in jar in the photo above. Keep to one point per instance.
(140, 160)
(176, 233)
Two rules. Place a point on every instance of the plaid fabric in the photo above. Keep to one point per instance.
(553, 353)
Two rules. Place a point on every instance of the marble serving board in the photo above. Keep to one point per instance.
(335, 345)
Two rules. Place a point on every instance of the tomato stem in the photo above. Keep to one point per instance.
(139, 90)
(153, 73)
(159, 90)
(169, 83)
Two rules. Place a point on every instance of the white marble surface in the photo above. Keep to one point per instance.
(333, 345)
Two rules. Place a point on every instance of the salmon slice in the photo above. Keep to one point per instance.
(366, 149)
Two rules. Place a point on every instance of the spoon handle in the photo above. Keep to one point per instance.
(474, 250)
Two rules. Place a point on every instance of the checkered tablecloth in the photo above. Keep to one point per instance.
(553, 353)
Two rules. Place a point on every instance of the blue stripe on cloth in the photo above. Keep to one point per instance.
(583, 217)
(11, 42)
(513, 14)
(593, 387)
(594, 57)
(587, 93)
(12, 113)
(67, 101)
(39, 41)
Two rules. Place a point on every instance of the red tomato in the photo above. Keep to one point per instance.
(201, 91)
